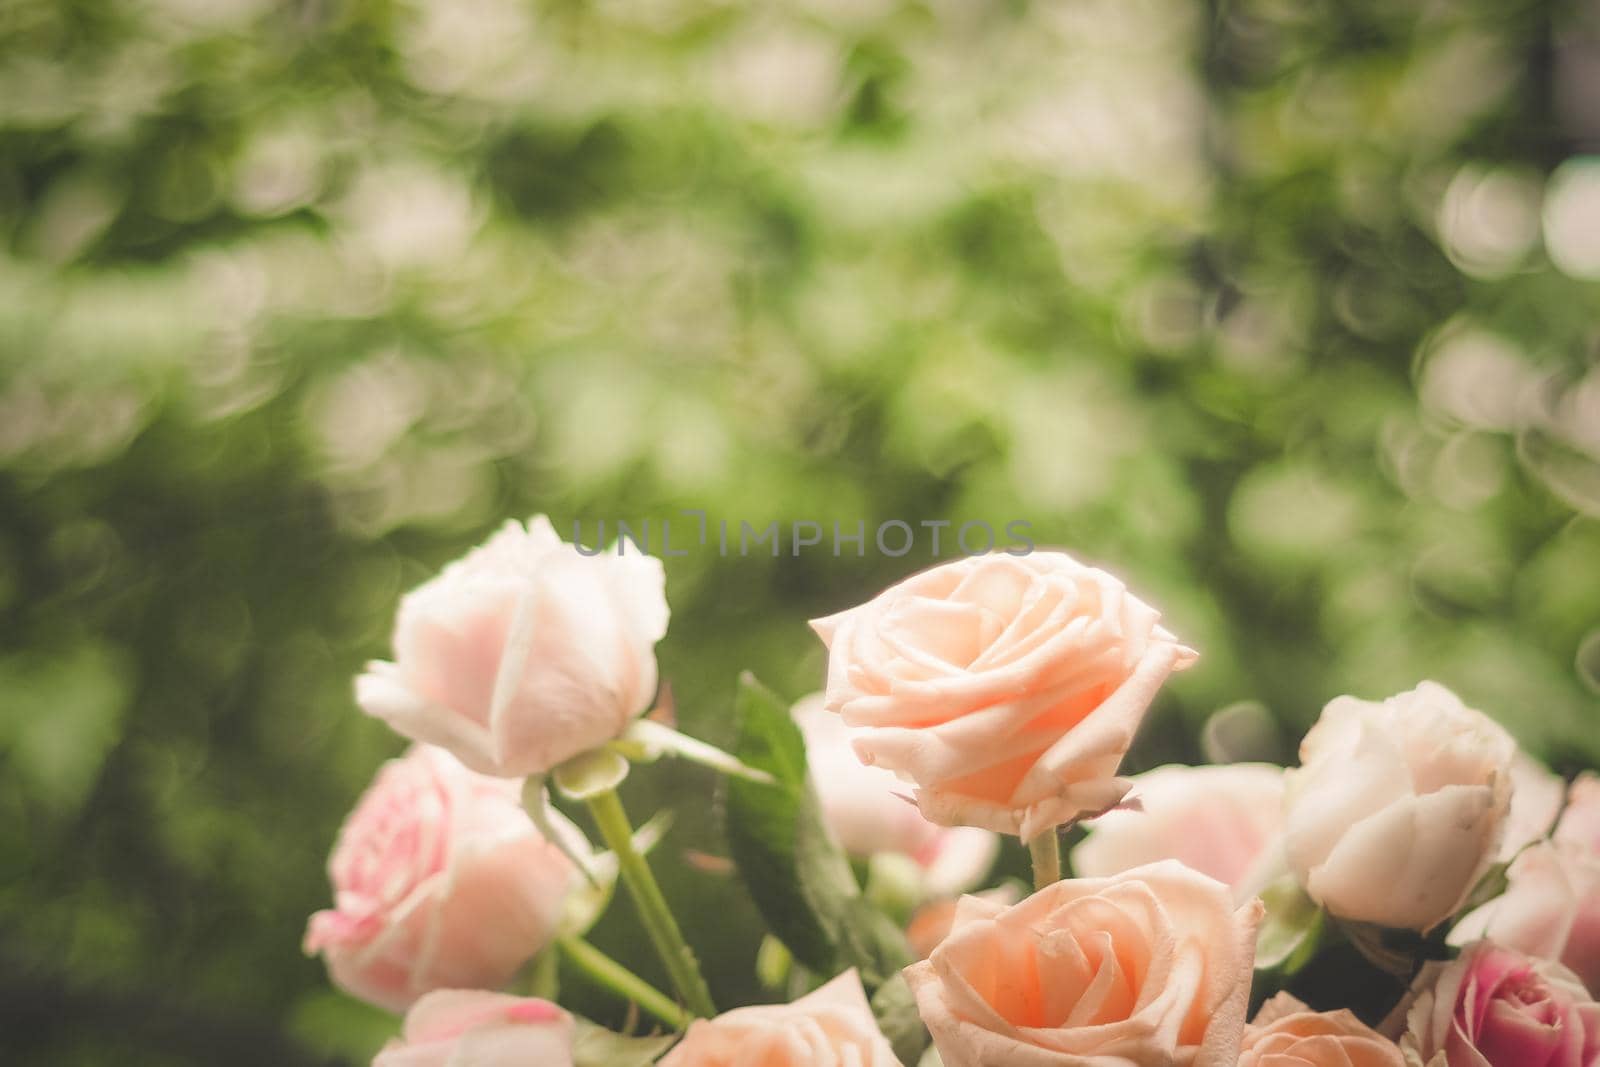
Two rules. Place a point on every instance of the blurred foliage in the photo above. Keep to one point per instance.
(1286, 311)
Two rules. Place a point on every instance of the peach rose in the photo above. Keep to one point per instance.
(1495, 1007)
(1006, 688)
(459, 1027)
(1551, 906)
(831, 1027)
(868, 811)
(440, 881)
(1151, 966)
(524, 653)
(1398, 807)
(1286, 1033)
(1219, 820)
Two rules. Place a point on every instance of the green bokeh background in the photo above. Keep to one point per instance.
(1287, 312)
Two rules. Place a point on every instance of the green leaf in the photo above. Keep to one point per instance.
(1494, 882)
(1291, 928)
(895, 1008)
(544, 976)
(595, 1046)
(647, 741)
(589, 774)
(800, 879)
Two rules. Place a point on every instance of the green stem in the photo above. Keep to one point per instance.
(657, 918)
(623, 982)
(1046, 852)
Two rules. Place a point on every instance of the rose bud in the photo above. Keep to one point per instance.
(524, 653)
(1398, 807)
(458, 1027)
(831, 1027)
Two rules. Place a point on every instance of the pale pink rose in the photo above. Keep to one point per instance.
(1536, 796)
(1550, 909)
(869, 811)
(1152, 966)
(1579, 827)
(1219, 820)
(1551, 906)
(831, 1027)
(1005, 688)
(524, 653)
(1496, 1007)
(1398, 807)
(1286, 1033)
(470, 1028)
(440, 881)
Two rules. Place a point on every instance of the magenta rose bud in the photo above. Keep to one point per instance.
(440, 881)
(523, 653)
(458, 1027)
(1496, 1007)
(1006, 689)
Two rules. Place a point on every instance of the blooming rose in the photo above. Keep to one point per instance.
(869, 813)
(1398, 807)
(523, 653)
(459, 1027)
(1151, 966)
(1006, 688)
(1495, 1007)
(440, 881)
(831, 1027)
(1551, 906)
(1219, 820)
(1286, 1033)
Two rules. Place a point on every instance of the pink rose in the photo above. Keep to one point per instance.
(1551, 906)
(1006, 688)
(1579, 827)
(1398, 807)
(524, 653)
(868, 811)
(1286, 1033)
(831, 1027)
(1536, 797)
(1219, 820)
(469, 1028)
(1495, 1007)
(440, 881)
(1152, 966)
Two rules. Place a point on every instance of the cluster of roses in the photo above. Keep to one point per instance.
(1003, 692)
